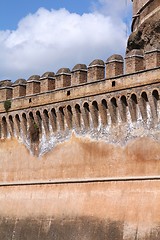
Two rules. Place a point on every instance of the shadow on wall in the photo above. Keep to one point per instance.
(80, 228)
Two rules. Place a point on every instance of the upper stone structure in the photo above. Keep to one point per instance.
(138, 5)
(145, 25)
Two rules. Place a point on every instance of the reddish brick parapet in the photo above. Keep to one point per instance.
(135, 61)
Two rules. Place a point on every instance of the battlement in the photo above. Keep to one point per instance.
(114, 67)
(104, 94)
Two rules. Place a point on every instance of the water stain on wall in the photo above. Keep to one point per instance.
(80, 228)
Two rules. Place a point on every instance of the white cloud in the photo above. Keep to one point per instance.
(49, 40)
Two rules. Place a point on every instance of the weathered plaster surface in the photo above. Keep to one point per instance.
(80, 210)
(80, 158)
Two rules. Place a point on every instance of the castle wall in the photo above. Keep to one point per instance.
(80, 150)
(75, 167)
(106, 210)
(112, 78)
(78, 159)
(82, 189)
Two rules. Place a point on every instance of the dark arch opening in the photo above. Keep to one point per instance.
(39, 115)
(103, 112)
(95, 105)
(61, 110)
(11, 123)
(114, 110)
(54, 119)
(144, 96)
(4, 125)
(46, 119)
(155, 94)
(10, 118)
(33, 129)
(17, 118)
(104, 103)
(31, 115)
(134, 98)
(61, 120)
(39, 120)
(24, 116)
(4, 119)
(114, 102)
(95, 114)
(69, 116)
(78, 109)
(53, 111)
(69, 109)
(133, 107)
(124, 105)
(46, 113)
(124, 101)
(86, 114)
(78, 115)
(143, 108)
(86, 106)
(24, 121)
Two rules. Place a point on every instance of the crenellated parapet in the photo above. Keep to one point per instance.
(90, 99)
(115, 66)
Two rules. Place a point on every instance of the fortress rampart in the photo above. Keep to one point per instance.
(90, 96)
(80, 149)
(112, 72)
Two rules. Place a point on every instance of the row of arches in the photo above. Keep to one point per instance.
(87, 114)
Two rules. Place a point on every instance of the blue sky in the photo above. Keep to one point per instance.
(13, 10)
(45, 35)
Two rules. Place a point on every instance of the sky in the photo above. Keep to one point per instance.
(37, 36)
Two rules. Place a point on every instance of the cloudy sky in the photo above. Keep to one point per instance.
(44, 35)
